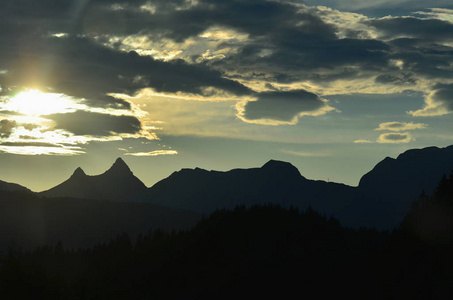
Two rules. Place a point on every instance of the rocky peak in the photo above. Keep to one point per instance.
(78, 173)
(119, 167)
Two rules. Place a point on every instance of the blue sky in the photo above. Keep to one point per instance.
(331, 86)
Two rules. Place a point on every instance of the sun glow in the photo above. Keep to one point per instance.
(37, 103)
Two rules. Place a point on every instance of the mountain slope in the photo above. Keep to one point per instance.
(117, 183)
(31, 221)
(411, 172)
(7, 186)
(385, 194)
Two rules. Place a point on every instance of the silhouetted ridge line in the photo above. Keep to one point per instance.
(384, 195)
(117, 183)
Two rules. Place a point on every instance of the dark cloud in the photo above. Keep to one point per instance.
(422, 58)
(429, 29)
(298, 56)
(300, 44)
(443, 93)
(95, 124)
(282, 106)
(382, 8)
(286, 43)
(438, 102)
(80, 68)
(397, 79)
(396, 136)
(6, 127)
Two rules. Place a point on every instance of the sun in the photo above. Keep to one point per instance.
(36, 103)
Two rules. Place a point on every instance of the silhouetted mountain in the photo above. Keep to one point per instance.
(382, 199)
(117, 183)
(275, 182)
(386, 193)
(31, 221)
(7, 186)
(410, 173)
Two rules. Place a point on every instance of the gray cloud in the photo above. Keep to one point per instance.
(79, 67)
(395, 138)
(284, 106)
(443, 93)
(438, 102)
(6, 127)
(286, 43)
(397, 79)
(95, 124)
(428, 29)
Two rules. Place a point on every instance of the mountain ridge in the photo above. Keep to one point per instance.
(9, 186)
(117, 183)
(382, 198)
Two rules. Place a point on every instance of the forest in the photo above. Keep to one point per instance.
(263, 250)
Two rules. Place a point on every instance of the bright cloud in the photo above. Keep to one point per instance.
(400, 126)
(306, 154)
(395, 138)
(154, 153)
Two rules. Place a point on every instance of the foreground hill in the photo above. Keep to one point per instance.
(260, 252)
(117, 183)
(31, 221)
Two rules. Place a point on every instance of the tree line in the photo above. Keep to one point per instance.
(258, 251)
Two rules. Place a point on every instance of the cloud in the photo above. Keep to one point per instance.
(397, 78)
(437, 103)
(412, 27)
(400, 126)
(395, 138)
(154, 153)
(6, 127)
(306, 154)
(39, 148)
(96, 124)
(210, 50)
(92, 71)
(363, 142)
(282, 107)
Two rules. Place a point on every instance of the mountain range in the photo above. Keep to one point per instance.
(117, 183)
(381, 200)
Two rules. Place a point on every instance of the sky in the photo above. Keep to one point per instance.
(331, 86)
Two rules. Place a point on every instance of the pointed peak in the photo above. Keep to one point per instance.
(119, 161)
(119, 166)
(78, 173)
